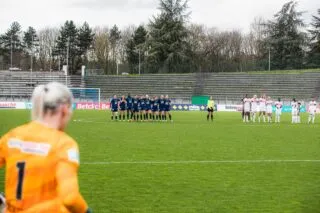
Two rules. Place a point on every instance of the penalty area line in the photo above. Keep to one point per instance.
(88, 121)
(200, 162)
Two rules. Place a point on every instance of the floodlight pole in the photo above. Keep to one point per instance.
(11, 52)
(59, 62)
(31, 62)
(11, 64)
(269, 59)
(68, 46)
(50, 50)
(31, 54)
(139, 52)
(139, 61)
(117, 67)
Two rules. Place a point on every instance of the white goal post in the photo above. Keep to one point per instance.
(86, 94)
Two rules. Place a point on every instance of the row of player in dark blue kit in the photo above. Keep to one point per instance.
(141, 108)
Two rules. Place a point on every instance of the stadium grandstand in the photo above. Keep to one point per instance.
(224, 87)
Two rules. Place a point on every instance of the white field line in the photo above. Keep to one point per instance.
(200, 162)
(92, 121)
(87, 120)
(99, 121)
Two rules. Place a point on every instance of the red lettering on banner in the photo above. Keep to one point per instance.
(8, 105)
(92, 106)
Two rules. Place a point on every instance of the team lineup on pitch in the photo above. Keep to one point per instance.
(263, 108)
(141, 108)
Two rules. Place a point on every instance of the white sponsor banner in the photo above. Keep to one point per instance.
(194, 108)
(229, 108)
(12, 105)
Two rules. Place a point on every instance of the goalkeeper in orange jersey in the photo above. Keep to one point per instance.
(41, 160)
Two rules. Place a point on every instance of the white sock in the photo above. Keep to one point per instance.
(264, 119)
(313, 119)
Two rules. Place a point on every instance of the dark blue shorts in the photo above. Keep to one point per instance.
(122, 109)
(155, 109)
(135, 110)
(129, 108)
(114, 110)
(161, 109)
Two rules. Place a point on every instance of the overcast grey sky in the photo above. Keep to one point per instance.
(223, 14)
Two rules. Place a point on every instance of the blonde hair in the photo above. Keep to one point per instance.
(49, 97)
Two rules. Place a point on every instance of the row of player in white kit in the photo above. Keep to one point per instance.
(296, 107)
(263, 107)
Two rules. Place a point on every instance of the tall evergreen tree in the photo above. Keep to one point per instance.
(131, 55)
(135, 46)
(314, 54)
(286, 39)
(68, 41)
(169, 50)
(85, 38)
(114, 38)
(12, 39)
(30, 42)
(30, 38)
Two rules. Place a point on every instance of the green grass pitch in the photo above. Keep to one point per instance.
(193, 165)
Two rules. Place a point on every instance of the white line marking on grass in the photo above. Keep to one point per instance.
(99, 121)
(201, 162)
(96, 122)
(110, 121)
(257, 125)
